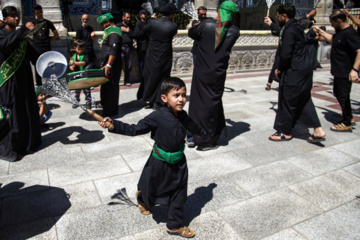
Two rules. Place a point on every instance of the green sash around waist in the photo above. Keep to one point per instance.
(169, 157)
(11, 65)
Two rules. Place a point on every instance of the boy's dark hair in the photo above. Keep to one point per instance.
(79, 43)
(171, 83)
(9, 11)
(202, 8)
(37, 7)
(288, 9)
(338, 15)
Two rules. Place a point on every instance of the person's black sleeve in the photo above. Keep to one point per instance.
(353, 41)
(287, 48)
(115, 43)
(51, 26)
(9, 43)
(275, 29)
(142, 127)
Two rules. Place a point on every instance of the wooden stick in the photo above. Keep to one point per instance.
(98, 117)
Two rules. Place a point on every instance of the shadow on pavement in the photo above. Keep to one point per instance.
(28, 212)
(62, 135)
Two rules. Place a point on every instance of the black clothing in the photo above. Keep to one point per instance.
(312, 45)
(18, 95)
(109, 92)
(296, 80)
(343, 52)
(342, 89)
(141, 38)
(41, 39)
(84, 33)
(161, 182)
(41, 42)
(275, 30)
(208, 80)
(158, 59)
(127, 37)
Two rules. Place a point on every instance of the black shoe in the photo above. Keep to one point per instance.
(356, 111)
(207, 147)
(75, 106)
(190, 142)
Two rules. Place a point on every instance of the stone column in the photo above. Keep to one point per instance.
(211, 5)
(323, 11)
(15, 3)
(52, 12)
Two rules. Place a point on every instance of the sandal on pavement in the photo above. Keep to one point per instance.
(314, 139)
(142, 206)
(268, 87)
(183, 232)
(353, 123)
(341, 127)
(281, 136)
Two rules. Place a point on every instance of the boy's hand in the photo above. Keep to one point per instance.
(106, 119)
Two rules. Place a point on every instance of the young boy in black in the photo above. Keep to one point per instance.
(77, 63)
(165, 175)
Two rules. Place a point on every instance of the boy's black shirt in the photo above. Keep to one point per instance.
(41, 38)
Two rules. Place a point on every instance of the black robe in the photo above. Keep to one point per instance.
(295, 82)
(208, 80)
(18, 95)
(275, 31)
(158, 59)
(109, 92)
(161, 182)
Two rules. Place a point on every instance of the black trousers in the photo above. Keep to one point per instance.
(127, 58)
(342, 89)
(87, 93)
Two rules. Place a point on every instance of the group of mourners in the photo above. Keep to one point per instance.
(165, 174)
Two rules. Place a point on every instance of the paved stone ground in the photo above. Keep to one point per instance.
(249, 188)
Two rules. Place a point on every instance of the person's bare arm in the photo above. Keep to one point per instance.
(109, 64)
(354, 19)
(327, 36)
(354, 75)
(56, 35)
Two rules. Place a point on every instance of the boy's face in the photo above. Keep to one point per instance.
(176, 99)
(79, 50)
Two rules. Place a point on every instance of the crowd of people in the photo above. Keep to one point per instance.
(165, 175)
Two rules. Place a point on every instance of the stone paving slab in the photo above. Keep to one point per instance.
(266, 178)
(322, 161)
(286, 234)
(329, 190)
(339, 224)
(354, 169)
(267, 214)
(86, 171)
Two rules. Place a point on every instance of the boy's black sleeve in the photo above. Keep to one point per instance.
(142, 127)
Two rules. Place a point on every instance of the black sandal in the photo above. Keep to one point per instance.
(314, 139)
(282, 137)
(268, 87)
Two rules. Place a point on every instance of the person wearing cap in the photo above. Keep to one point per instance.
(127, 48)
(215, 37)
(17, 96)
(111, 51)
(158, 59)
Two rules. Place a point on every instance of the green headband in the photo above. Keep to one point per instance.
(104, 18)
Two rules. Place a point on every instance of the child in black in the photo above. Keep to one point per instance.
(165, 176)
(77, 63)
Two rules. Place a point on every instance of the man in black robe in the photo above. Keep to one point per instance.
(158, 60)
(202, 16)
(295, 72)
(17, 95)
(111, 49)
(209, 75)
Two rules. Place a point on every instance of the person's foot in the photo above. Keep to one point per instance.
(183, 232)
(75, 106)
(341, 127)
(268, 86)
(207, 147)
(278, 137)
(190, 142)
(142, 206)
